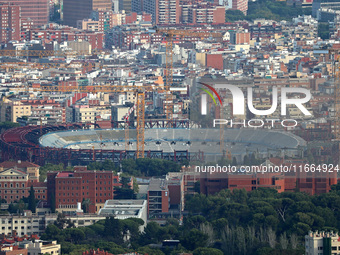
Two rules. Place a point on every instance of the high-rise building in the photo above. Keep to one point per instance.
(9, 22)
(163, 11)
(36, 10)
(204, 14)
(125, 5)
(241, 5)
(74, 10)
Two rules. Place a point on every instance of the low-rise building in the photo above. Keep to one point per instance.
(318, 243)
(124, 209)
(39, 247)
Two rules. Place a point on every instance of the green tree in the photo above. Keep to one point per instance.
(52, 202)
(234, 15)
(323, 30)
(32, 204)
(194, 239)
(207, 251)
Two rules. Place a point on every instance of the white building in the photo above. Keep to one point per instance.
(319, 243)
(124, 209)
(39, 247)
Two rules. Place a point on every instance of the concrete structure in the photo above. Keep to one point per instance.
(75, 10)
(124, 209)
(317, 243)
(36, 10)
(10, 16)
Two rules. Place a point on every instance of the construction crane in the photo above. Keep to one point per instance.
(127, 126)
(170, 35)
(140, 105)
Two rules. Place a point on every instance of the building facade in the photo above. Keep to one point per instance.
(163, 11)
(75, 10)
(70, 188)
(10, 16)
(158, 198)
(317, 243)
(36, 10)
(16, 179)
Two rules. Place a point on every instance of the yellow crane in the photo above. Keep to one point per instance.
(108, 88)
(170, 35)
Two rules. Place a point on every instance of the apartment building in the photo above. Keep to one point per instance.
(73, 12)
(16, 181)
(198, 14)
(163, 11)
(319, 243)
(88, 25)
(241, 5)
(10, 16)
(11, 110)
(28, 224)
(35, 10)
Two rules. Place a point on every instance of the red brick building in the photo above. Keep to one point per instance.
(36, 10)
(9, 22)
(206, 14)
(69, 188)
(241, 5)
(239, 38)
(215, 61)
(96, 39)
(311, 183)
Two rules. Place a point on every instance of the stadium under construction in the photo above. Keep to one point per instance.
(74, 144)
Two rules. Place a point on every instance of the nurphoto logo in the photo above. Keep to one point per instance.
(239, 103)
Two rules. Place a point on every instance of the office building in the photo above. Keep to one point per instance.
(74, 10)
(9, 22)
(125, 5)
(36, 10)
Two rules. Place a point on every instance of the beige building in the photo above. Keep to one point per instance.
(39, 247)
(29, 224)
(88, 25)
(29, 168)
(11, 110)
(87, 114)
